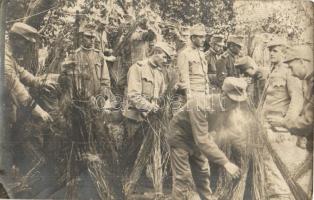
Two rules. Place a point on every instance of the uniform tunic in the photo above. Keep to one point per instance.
(192, 66)
(145, 85)
(93, 68)
(225, 67)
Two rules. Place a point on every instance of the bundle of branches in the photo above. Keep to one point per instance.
(243, 146)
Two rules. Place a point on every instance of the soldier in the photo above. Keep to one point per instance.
(300, 62)
(192, 65)
(256, 75)
(92, 63)
(216, 45)
(145, 86)
(225, 65)
(283, 98)
(190, 138)
(17, 97)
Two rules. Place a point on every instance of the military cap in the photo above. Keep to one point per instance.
(218, 39)
(26, 31)
(235, 40)
(235, 88)
(88, 29)
(198, 29)
(245, 63)
(277, 42)
(299, 52)
(165, 47)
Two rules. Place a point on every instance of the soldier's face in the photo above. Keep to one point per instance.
(276, 54)
(218, 48)
(160, 58)
(88, 41)
(235, 49)
(298, 68)
(198, 40)
(16, 47)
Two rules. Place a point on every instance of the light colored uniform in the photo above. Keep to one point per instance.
(283, 98)
(192, 67)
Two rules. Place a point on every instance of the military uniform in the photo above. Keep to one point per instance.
(91, 63)
(225, 67)
(283, 98)
(192, 66)
(212, 57)
(191, 142)
(284, 94)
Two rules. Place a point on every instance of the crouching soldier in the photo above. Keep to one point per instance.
(146, 85)
(191, 140)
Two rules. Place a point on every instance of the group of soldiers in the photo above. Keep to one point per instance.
(210, 84)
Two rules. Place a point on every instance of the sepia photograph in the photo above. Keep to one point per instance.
(156, 99)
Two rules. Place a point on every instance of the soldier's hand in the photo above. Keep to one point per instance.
(43, 115)
(276, 121)
(155, 108)
(232, 169)
(49, 85)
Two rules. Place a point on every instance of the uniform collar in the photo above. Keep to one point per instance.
(154, 66)
(86, 49)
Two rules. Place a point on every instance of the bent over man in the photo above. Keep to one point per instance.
(191, 141)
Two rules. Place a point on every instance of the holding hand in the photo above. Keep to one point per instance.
(43, 115)
(232, 169)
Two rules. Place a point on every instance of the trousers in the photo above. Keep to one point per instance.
(190, 175)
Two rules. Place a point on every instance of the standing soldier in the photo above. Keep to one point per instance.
(191, 142)
(92, 62)
(225, 65)
(215, 49)
(283, 98)
(192, 65)
(146, 85)
(300, 62)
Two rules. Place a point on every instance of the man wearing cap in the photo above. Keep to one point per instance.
(192, 65)
(283, 98)
(191, 142)
(91, 61)
(225, 65)
(256, 77)
(300, 60)
(17, 78)
(145, 88)
(17, 97)
(216, 45)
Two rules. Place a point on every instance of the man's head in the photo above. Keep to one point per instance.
(217, 43)
(20, 36)
(88, 36)
(161, 54)
(197, 35)
(234, 44)
(235, 89)
(300, 60)
(246, 65)
(277, 49)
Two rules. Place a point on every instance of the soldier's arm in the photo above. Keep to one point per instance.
(202, 138)
(18, 91)
(184, 74)
(294, 86)
(303, 124)
(27, 78)
(135, 90)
